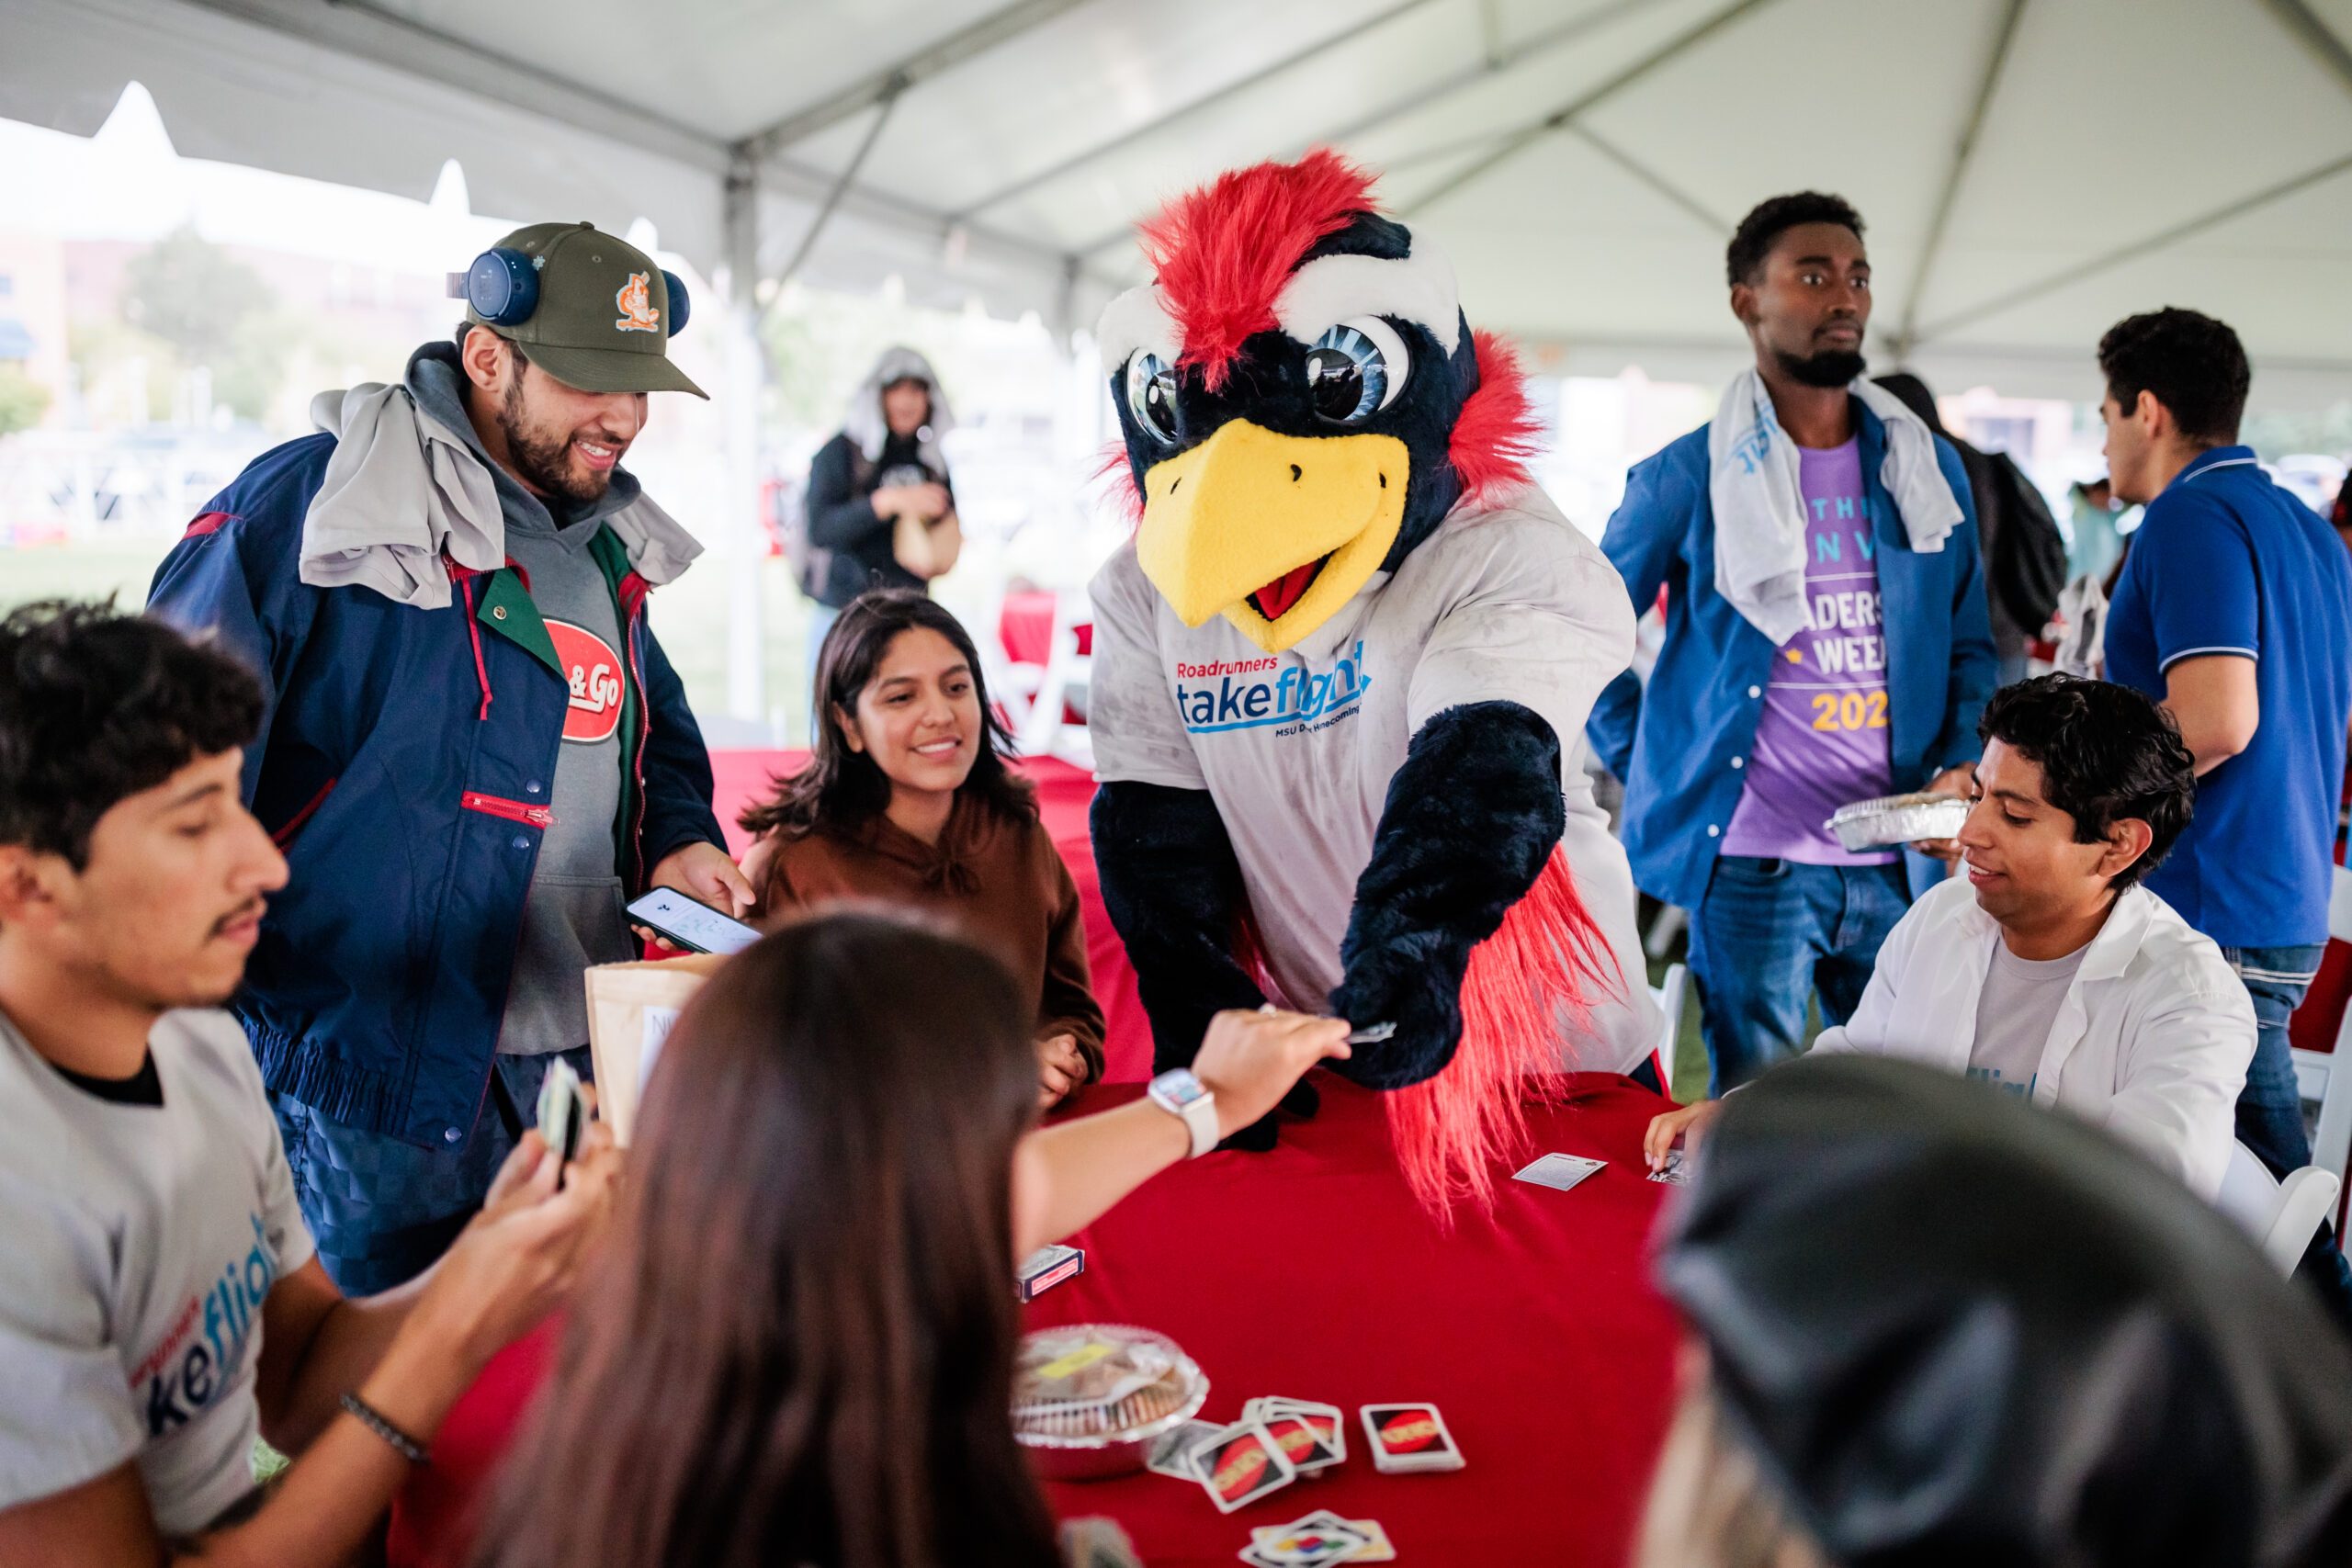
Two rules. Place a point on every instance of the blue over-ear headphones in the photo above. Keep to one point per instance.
(502, 288)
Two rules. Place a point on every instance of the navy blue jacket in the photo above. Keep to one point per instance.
(1679, 747)
(404, 765)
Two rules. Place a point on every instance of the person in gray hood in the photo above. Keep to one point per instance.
(474, 751)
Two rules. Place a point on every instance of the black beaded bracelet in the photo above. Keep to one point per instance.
(408, 1447)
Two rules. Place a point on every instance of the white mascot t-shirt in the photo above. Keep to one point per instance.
(1506, 602)
(140, 1241)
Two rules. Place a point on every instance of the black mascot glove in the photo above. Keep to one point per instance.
(1470, 819)
(1173, 891)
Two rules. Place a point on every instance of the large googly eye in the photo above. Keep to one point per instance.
(1152, 395)
(1355, 368)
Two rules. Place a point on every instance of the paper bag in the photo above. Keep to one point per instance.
(631, 1008)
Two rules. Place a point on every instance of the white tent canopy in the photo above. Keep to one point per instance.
(2030, 169)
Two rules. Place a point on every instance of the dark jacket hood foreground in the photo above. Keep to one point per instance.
(1958, 1329)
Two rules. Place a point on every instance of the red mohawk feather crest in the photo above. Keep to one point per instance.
(1222, 254)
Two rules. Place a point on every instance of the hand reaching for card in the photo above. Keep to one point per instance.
(1250, 1060)
(1688, 1124)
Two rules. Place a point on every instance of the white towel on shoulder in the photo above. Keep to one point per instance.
(1759, 513)
(401, 490)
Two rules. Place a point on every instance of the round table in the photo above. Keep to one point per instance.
(1311, 1273)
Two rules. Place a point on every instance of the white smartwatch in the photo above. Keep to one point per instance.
(1188, 1099)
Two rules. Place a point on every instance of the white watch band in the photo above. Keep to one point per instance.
(1184, 1097)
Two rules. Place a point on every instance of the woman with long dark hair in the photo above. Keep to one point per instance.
(908, 799)
(798, 1348)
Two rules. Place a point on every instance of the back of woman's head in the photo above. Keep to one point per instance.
(843, 786)
(798, 1346)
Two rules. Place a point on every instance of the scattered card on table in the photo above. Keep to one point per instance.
(1320, 1537)
(1409, 1438)
(1562, 1171)
(1171, 1452)
(1329, 1421)
(1675, 1172)
(1298, 1441)
(1377, 1547)
(1240, 1464)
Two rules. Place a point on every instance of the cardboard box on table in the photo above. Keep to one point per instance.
(631, 1008)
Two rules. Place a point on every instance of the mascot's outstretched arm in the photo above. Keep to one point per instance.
(1470, 821)
(1173, 890)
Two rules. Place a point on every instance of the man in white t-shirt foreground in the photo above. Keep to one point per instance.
(161, 1303)
(2049, 971)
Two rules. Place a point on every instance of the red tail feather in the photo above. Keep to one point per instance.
(1532, 975)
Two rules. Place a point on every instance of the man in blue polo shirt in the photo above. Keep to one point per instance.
(1825, 642)
(2234, 610)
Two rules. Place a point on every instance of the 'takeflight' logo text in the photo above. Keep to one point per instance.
(202, 1356)
(1249, 695)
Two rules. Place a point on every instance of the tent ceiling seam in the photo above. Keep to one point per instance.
(2318, 39)
(2121, 254)
(997, 27)
(1422, 96)
(1526, 136)
(1127, 138)
(1962, 155)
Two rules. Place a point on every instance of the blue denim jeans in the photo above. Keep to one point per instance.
(1770, 935)
(383, 1211)
(2270, 1109)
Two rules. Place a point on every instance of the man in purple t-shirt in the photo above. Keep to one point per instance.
(1825, 643)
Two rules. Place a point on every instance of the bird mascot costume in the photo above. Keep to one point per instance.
(1342, 673)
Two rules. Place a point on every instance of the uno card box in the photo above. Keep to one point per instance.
(630, 1009)
(1048, 1267)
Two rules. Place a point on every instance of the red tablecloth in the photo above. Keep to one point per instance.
(1309, 1272)
(1064, 794)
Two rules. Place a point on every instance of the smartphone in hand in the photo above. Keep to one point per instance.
(682, 922)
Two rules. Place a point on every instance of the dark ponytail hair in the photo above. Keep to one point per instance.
(842, 788)
(797, 1346)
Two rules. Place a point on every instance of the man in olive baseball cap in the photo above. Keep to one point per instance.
(596, 313)
(444, 593)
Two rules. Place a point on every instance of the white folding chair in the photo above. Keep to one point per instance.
(1045, 732)
(1673, 986)
(2324, 1078)
(2281, 1217)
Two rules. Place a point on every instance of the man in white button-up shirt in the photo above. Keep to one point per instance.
(2047, 970)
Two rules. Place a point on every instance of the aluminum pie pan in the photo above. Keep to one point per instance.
(1123, 1445)
(1897, 819)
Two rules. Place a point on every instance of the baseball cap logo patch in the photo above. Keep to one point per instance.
(635, 302)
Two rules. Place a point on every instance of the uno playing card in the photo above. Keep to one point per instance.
(1171, 1452)
(1296, 1438)
(1409, 1438)
(1330, 1423)
(1377, 1547)
(1240, 1464)
(1562, 1171)
(1321, 1537)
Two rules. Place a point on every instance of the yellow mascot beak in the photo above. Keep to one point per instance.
(1238, 525)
